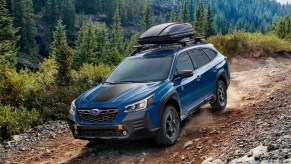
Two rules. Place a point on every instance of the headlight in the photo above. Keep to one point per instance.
(140, 105)
(73, 108)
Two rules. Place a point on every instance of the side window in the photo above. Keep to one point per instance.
(184, 63)
(199, 58)
(212, 54)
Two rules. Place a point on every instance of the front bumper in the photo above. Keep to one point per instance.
(135, 125)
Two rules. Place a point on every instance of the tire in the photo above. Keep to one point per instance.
(170, 127)
(221, 97)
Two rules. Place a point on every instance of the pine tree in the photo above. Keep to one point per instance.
(199, 22)
(221, 27)
(114, 58)
(184, 14)
(282, 27)
(192, 9)
(63, 55)
(103, 45)
(8, 37)
(132, 42)
(210, 24)
(173, 16)
(147, 19)
(117, 33)
(69, 15)
(86, 45)
(25, 19)
(65, 9)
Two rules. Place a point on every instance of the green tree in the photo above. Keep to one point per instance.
(117, 33)
(86, 45)
(221, 27)
(210, 23)
(282, 27)
(63, 55)
(103, 44)
(184, 14)
(8, 37)
(199, 22)
(65, 9)
(24, 17)
(132, 42)
(113, 58)
(173, 16)
(147, 19)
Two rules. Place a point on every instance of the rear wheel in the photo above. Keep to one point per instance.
(170, 127)
(221, 97)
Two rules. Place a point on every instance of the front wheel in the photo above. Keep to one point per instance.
(170, 127)
(221, 97)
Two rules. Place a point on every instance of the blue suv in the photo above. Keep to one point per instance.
(151, 92)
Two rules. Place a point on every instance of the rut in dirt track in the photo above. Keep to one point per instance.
(248, 87)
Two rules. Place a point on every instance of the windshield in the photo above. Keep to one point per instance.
(141, 69)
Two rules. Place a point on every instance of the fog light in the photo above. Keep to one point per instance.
(119, 128)
(75, 126)
(124, 133)
(76, 132)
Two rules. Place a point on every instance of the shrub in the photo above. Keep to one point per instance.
(16, 120)
(249, 44)
(17, 87)
(91, 75)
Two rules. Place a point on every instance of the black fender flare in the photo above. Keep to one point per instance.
(221, 73)
(172, 95)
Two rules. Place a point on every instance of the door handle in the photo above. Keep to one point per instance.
(198, 77)
(214, 69)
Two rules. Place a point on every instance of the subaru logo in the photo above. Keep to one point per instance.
(94, 112)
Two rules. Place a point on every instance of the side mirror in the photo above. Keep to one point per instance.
(184, 74)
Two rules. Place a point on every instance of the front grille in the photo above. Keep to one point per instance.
(105, 115)
(99, 133)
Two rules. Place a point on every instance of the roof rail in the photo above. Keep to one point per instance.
(182, 43)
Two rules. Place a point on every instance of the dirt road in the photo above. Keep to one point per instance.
(257, 87)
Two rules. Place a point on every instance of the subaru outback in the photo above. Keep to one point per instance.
(152, 91)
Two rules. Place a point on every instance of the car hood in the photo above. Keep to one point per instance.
(108, 95)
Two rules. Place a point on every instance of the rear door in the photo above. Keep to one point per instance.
(214, 67)
(203, 73)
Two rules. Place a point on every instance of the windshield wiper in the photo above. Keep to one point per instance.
(131, 81)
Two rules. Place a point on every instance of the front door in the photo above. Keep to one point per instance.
(184, 87)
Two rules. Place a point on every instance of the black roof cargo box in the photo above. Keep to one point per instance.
(166, 33)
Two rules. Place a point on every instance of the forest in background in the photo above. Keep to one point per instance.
(69, 46)
(38, 18)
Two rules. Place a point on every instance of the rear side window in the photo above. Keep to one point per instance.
(184, 63)
(212, 54)
(199, 58)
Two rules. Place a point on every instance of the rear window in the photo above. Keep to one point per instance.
(212, 54)
(198, 57)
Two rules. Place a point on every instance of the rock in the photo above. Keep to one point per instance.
(187, 144)
(197, 139)
(182, 157)
(210, 160)
(174, 155)
(142, 160)
(249, 154)
(47, 150)
(18, 138)
(199, 147)
(272, 147)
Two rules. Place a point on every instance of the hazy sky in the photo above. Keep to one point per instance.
(284, 1)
